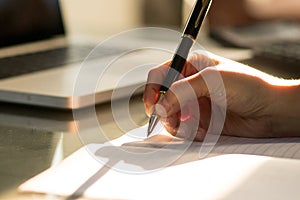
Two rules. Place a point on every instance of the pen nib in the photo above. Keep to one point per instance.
(152, 123)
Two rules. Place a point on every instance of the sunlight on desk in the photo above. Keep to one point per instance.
(169, 168)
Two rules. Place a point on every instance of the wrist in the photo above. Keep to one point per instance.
(285, 110)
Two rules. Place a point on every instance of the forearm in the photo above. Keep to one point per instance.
(285, 109)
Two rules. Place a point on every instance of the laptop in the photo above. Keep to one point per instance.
(40, 65)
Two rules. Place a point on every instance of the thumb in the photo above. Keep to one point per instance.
(202, 59)
(180, 93)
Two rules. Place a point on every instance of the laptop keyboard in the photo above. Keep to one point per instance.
(281, 59)
(287, 51)
(23, 64)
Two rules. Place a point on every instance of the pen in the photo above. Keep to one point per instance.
(189, 35)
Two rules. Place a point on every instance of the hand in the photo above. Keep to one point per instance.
(253, 99)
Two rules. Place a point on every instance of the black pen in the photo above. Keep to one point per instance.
(190, 33)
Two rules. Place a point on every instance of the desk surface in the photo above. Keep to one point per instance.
(32, 139)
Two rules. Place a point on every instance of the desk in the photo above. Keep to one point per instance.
(32, 139)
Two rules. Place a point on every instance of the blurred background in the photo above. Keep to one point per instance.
(269, 28)
(105, 17)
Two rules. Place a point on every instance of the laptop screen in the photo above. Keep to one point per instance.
(29, 20)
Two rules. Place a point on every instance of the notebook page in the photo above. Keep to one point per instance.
(218, 176)
(274, 147)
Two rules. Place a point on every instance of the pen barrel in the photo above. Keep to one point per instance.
(178, 62)
(179, 59)
(197, 17)
(173, 73)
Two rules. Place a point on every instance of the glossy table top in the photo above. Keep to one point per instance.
(33, 139)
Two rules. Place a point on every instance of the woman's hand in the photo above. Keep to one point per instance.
(254, 101)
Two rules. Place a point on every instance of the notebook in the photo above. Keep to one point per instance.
(135, 167)
(40, 65)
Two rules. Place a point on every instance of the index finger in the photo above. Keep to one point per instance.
(195, 63)
(155, 78)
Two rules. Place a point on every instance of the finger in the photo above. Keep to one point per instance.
(181, 92)
(205, 117)
(154, 80)
(205, 112)
(198, 61)
(187, 129)
(200, 135)
(171, 124)
(191, 124)
(194, 124)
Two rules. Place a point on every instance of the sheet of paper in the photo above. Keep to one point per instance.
(164, 167)
(275, 147)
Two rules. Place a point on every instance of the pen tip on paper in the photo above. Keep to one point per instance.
(149, 131)
(152, 123)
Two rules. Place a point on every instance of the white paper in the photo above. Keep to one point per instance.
(163, 167)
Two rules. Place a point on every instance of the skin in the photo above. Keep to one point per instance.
(276, 9)
(257, 104)
(239, 13)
